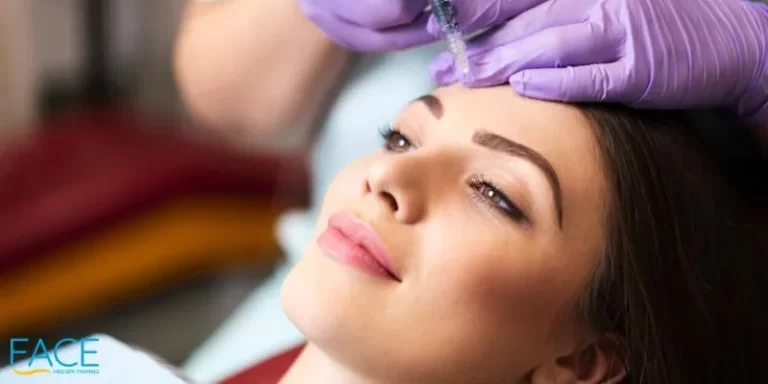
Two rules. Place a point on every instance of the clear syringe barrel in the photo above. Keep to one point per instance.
(445, 14)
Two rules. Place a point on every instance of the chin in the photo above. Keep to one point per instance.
(329, 318)
(318, 299)
(337, 308)
(301, 300)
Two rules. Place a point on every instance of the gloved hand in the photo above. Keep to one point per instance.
(360, 25)
(644, 53)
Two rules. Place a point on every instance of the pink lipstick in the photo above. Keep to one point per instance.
(351, 241)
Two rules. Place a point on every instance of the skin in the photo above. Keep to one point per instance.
(483, 297)
(257, 72)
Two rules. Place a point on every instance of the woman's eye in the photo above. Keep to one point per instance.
(395, 141)
(492, 197)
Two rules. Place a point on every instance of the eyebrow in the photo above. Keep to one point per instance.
(502, 144)
(433, 104)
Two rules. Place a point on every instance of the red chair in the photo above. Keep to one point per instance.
(107, 207)
(267, 372)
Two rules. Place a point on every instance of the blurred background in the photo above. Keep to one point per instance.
(54, 52)
(117, 215)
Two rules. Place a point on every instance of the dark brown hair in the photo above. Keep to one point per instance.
(683, 280)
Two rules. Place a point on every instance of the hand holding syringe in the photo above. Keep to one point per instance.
(375, 26)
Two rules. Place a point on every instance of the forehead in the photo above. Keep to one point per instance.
(556, 130)
(560, 132)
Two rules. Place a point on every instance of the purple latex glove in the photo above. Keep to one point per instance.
(362, 25)
(644, 53)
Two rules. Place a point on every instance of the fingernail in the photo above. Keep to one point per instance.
(444, 77)
(517, 81)
(433, 28)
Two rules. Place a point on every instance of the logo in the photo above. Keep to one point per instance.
(67, 357)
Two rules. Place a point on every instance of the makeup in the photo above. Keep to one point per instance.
(353, 242)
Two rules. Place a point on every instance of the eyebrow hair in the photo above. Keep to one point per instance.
(433, 104)
(501, 144)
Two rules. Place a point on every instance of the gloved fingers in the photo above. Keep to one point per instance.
(569, 45)
(474, 15)
(396, 38)
(588, 83)
(549, 14)
(520, 17)
(386, 14)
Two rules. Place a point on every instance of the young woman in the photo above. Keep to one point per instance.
(499, 239)
(574, 50)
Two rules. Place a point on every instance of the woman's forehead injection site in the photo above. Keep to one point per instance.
(510, 147)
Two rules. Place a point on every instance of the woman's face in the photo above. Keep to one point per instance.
(491, 209)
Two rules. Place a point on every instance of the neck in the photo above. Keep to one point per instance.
(313, 365)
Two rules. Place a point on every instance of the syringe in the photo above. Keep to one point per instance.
(445, 14)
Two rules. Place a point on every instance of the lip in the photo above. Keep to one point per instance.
(353, 242)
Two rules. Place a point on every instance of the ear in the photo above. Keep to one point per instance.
(598, 362)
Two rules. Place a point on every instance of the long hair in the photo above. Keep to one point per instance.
(683, 279)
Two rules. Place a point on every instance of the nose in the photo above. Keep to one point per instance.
(396, 187)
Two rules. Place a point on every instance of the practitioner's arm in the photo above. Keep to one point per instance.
(255, 65)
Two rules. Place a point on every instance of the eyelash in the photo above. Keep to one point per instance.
(387, 133)
(477, 182)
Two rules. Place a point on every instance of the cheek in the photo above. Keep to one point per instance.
(471, 273)
(498, 284)
(346, 186)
